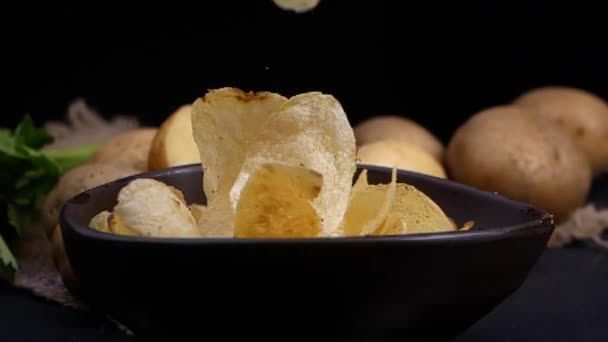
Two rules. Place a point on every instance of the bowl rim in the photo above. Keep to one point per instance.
(542, 222)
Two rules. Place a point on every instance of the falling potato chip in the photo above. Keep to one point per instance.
(369, 205)
(151, 208)
(310, 130)
(276, 202)
(297, 5)
(421, 214)
(224, 123)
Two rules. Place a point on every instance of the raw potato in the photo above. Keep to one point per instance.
(507, 150)
(174, 144)
(62, 263)
(130, 149)
(583, 114)
(151, 208)
(75, 181)
(393, 153)
(398, 128)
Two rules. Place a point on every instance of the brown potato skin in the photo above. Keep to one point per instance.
(583, 114)
(392, 127)
(62, 263)
(157, 157)
(79, 179)
(163, 153)
(507, 150)
(130, 149)
(402, 155)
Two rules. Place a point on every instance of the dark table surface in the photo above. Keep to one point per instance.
(565, 298)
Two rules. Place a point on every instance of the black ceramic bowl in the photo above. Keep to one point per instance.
(423, 286)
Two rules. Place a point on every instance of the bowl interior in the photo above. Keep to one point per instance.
(461, 203)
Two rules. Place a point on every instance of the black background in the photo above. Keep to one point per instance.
(435, 63)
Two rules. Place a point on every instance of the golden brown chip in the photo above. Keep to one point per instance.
(395, 224)
(117, 226)
(421, 214)
(467, 225)
(276, 202)
(225, 122)
(310, 130)
(198, 211)
(109, 222)
(368, 206)
(100, 221)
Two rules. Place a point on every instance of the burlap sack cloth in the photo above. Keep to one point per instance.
(37, 270)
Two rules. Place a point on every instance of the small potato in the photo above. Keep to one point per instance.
(402, 155)
(75, 181)
(130, 149)
(62, 263)
(507, 150)
(583, 114)
(398, 128)
(174, 143)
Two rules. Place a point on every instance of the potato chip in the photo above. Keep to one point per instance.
(310, 130)
(394, 224)
(421, 214)
(368, 206)
(117, 226)
(109, 222)
(467, 225)
(100, 221)
(198, 211)
(151, 208)
(224, 123)
(277, 202)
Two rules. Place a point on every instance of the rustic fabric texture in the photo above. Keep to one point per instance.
(37, 271)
